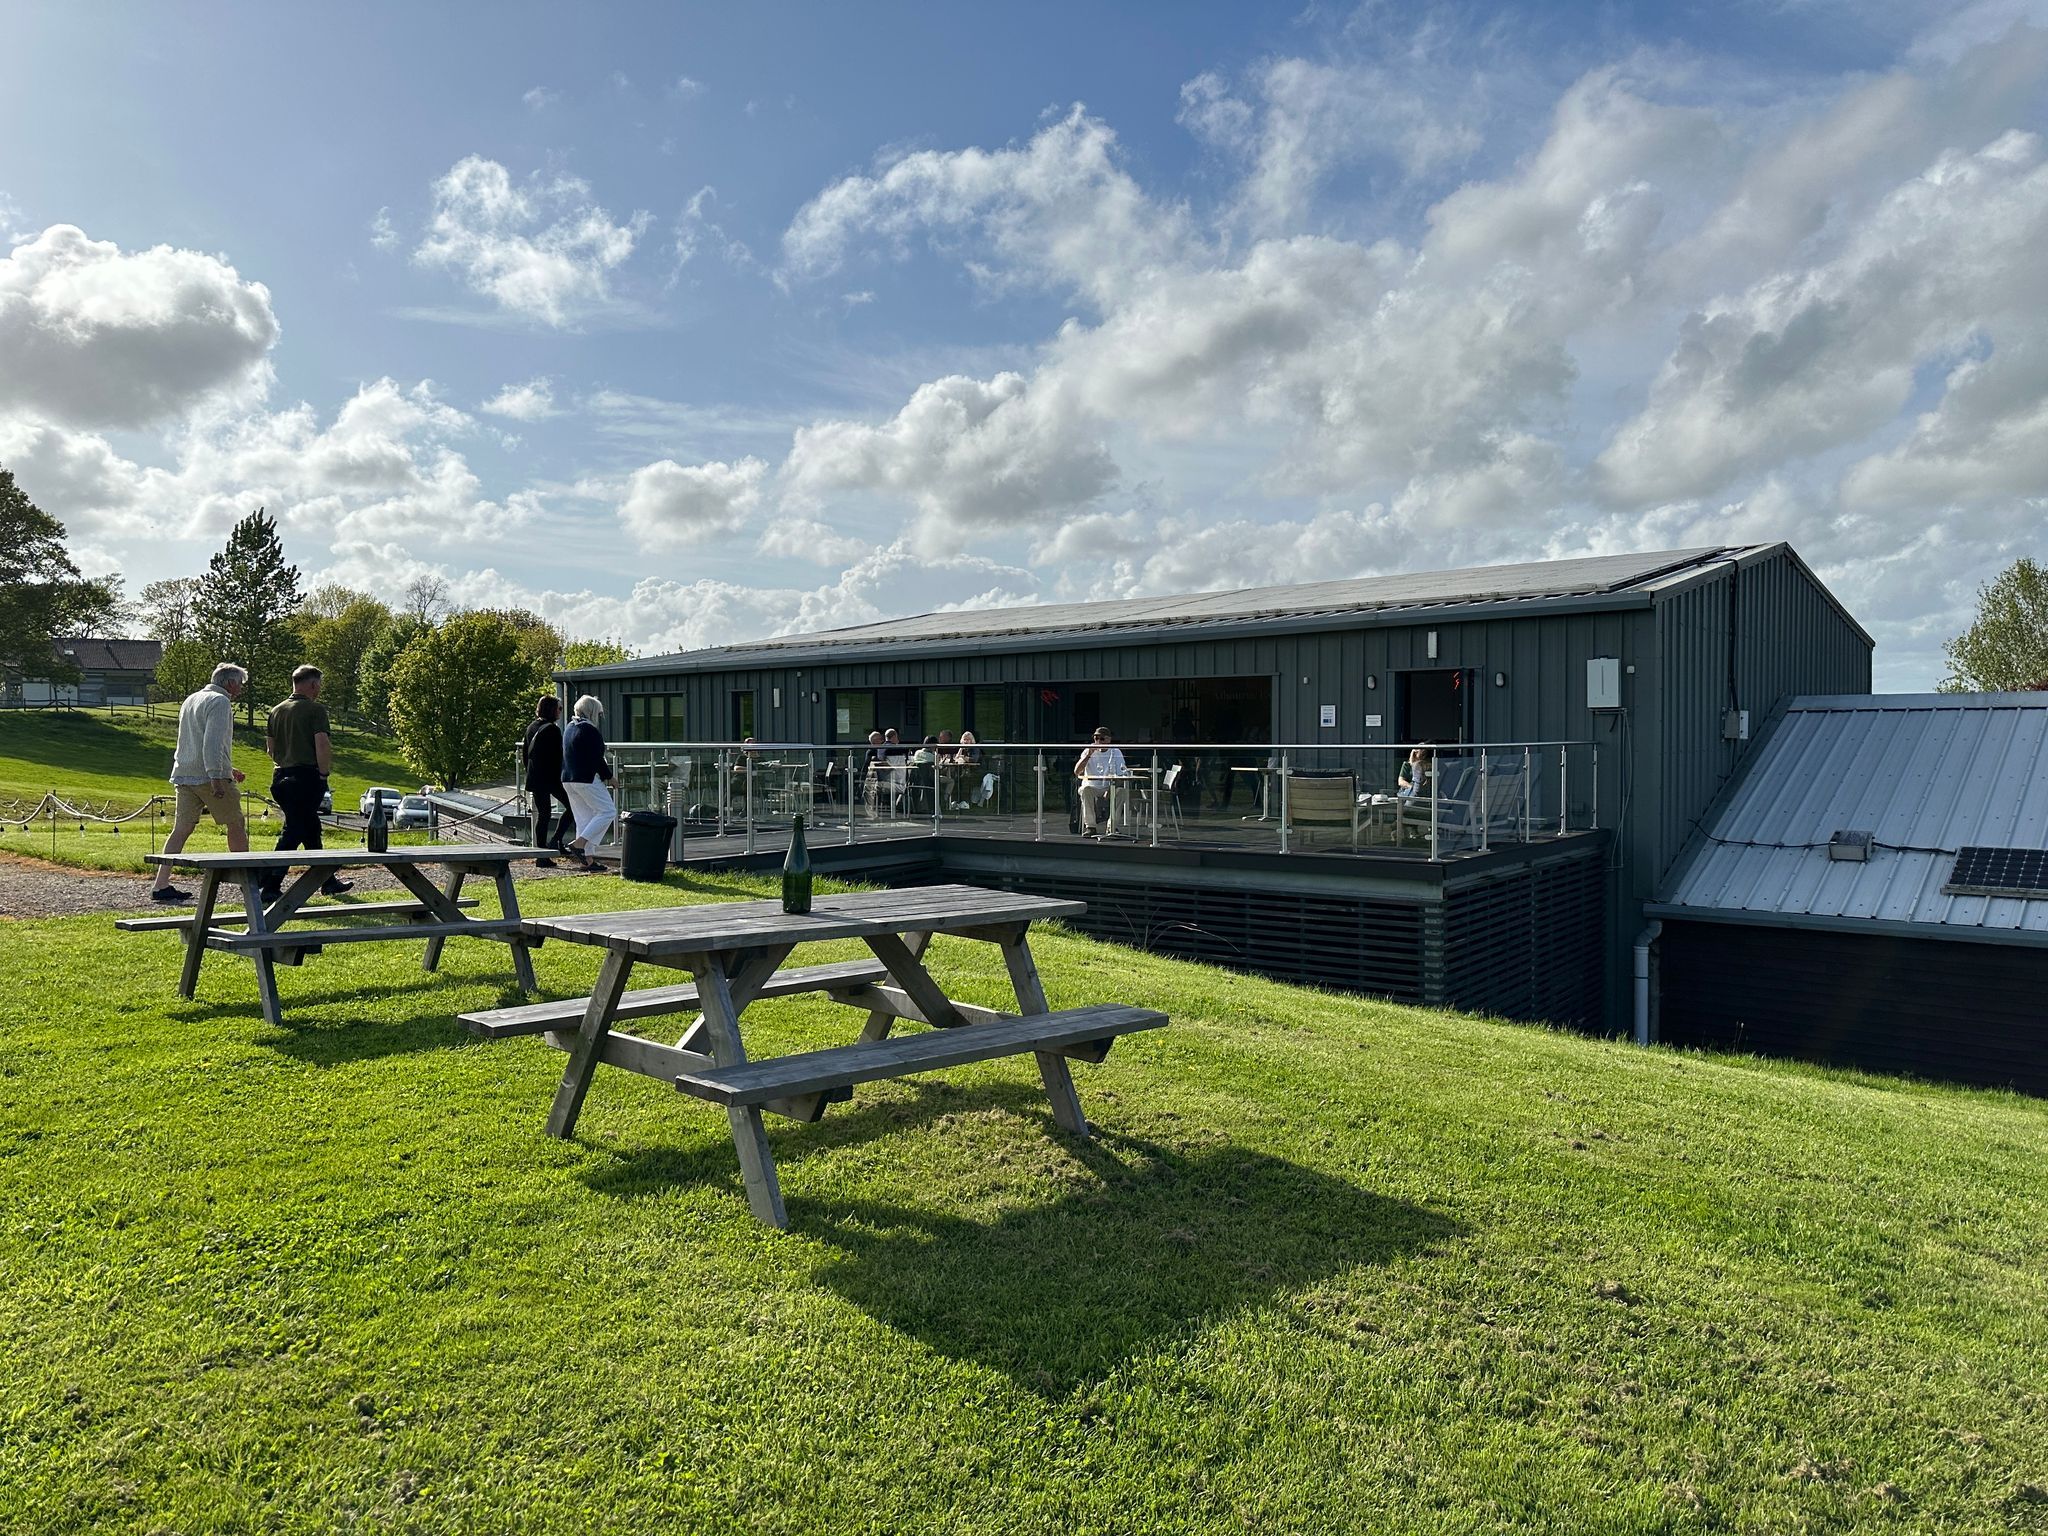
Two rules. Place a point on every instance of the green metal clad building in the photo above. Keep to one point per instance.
(1668, 662)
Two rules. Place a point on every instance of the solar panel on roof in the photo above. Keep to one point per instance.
(2021, 872)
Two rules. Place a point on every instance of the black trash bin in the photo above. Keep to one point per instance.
(644, 851)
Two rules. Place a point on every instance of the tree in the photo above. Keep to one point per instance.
(373, 673)
(243, 607)
(2006, 649)
(42, 593)
(426, 599)
(337, 643)
(167, 609)
(187, 667)
(541, 641)
(460, 695)
(578, 654)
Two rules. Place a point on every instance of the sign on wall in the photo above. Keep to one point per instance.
(1329, 716)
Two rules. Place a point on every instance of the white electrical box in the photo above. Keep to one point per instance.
(1735, 725)
(1603, 682)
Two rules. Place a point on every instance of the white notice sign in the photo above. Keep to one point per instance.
(1329, 715)
(1372, 722)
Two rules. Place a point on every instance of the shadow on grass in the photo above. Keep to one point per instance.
(1057, 1296)
(710, 1158)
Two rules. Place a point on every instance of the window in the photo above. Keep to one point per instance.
(743, 715)
(944, 710)
(991, 720)
(853, 713)
(654, 717)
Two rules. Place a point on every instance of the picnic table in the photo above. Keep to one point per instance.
(437, 912)
(734, 953)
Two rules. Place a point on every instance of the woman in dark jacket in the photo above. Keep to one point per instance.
(541, 751)
(587, 777)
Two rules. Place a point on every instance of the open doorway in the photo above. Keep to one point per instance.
(1433, 705)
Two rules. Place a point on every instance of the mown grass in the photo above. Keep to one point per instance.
(1331, 1266)
(113, 762)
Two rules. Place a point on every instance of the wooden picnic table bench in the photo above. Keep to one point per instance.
(734, 951)
(439, 911)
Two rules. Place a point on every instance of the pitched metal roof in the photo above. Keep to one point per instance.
(1926, 774)
(1590, 580)
(95, 654)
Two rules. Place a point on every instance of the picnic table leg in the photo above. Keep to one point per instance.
(266, 967)
(1052, 1067)
(749, 1138)
(742, 986)
(879, 1024)
(585, 1052)
(195, 936)
(452, 889)
(508, 906)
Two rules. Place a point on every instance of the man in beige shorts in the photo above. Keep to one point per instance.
(204, 771)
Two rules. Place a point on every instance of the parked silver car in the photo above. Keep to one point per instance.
(390, 797)
(414, 813)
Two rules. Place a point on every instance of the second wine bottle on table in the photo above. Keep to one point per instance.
(796, 872)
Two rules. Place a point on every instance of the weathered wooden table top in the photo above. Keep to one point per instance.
(333, 858)
(658, 931)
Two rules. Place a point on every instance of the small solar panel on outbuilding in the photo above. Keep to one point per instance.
(2021, 872)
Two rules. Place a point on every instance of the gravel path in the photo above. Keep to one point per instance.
(32, 888)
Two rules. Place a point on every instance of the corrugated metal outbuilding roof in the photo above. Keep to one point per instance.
(1926, 774)
(1534, 583)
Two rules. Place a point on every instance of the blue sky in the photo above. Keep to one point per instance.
(691, 324)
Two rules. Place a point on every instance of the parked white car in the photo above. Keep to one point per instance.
(390, 797)
(414, 813)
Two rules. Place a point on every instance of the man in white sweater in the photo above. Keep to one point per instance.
(204, 772)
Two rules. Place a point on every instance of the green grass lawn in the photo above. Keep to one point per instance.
(112, 763)
(1331, 1266)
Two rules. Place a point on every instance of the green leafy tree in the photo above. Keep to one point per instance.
(373, 673)
(338, 641)
(42, 593)
(578, 654)
(541, 641)
(2006, 649)
(244, 605)
(187, 667)
(167, 609)
(460, 695)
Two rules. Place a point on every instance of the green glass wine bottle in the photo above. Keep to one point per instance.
(796, 871)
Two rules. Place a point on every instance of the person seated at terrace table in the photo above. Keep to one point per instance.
(961, 772)
(1414, 773)
(1100, 769)
(927, 752)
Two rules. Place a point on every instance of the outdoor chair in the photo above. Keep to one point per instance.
(1322, 801)
(1452, 806)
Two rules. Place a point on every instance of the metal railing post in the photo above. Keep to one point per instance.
(724, 786)
(1040, 834)
(1485, 806)
(851, 798)
(1564, 784)
(750, 799)
(1283, 803)
(1528, 786)
(1596, 786)
(935, 765)
(1435, 772)
(1155, 798)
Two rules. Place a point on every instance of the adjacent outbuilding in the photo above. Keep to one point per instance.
(1872, 891)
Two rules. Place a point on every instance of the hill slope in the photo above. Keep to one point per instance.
(1331, 1266)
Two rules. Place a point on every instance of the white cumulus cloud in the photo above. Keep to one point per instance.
(92, 336)
(532, 401)
(539, 249)
(667, 505)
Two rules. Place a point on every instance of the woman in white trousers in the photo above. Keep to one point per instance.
(587, 778)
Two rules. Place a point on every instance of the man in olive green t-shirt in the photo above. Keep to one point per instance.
(296, 739)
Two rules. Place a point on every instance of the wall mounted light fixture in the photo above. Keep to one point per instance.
(1500, 679)
(1432, 645)
(1372, 681)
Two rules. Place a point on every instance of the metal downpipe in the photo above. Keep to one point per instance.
(1642, 968)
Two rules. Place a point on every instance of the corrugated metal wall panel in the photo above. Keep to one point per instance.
(1882, 1004)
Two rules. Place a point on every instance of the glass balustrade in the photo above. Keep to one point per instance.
(1403, 800)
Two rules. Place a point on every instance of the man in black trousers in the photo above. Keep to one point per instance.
(542, 752)
(296, 739)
